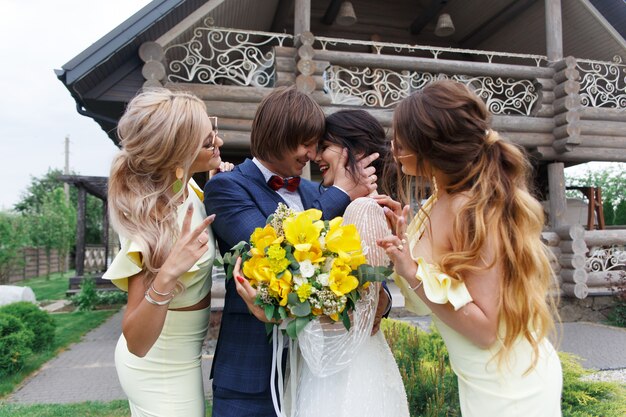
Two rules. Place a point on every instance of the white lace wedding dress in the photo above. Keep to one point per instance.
(343, 373)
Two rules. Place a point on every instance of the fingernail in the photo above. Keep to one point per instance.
(386, 209)
(240, 279)
(190, 207)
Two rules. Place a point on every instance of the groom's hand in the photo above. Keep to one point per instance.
(363, 183)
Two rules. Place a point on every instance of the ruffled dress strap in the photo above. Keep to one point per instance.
(440, 288)
(129, 260)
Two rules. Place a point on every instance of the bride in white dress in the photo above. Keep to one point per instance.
(350, 373)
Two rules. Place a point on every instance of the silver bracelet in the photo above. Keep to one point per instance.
(419, 284)
(162, 294)
(151, 300)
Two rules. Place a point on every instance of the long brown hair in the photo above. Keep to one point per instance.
(160, 131)
(447, 127)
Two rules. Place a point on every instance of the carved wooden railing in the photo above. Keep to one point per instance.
(570, 110)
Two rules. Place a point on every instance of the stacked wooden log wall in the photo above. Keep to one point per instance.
(572, 260)
(582, 134)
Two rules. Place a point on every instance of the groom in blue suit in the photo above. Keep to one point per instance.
(284, 137)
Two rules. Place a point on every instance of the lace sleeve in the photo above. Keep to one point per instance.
(371, 223)
(328, 347)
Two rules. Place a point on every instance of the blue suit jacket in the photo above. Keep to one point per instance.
(242, 201)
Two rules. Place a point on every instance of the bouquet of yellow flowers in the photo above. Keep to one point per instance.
(304, 267)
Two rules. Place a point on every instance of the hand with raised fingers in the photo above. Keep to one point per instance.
(365, 181)
(190, 246)
(384, 200)
(396, 246)
(248, 294)
(224, 167)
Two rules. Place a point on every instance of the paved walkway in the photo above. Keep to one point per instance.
(86, 371)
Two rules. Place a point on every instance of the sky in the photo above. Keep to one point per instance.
(36, 110)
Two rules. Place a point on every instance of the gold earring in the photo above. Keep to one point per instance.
(178, 184)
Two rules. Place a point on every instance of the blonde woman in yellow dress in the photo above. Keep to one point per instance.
(167, 250)
(472, 256)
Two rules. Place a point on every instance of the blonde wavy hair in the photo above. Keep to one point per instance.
(160, 131)
(447, 127)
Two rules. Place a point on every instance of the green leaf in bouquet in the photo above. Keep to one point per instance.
(368, 273)
(295, 326)
(269, 311)
(301, 323)
(345, 318)
(291, 329)
(282, 312)
(218, 262)
(268, 329)
(297, 308)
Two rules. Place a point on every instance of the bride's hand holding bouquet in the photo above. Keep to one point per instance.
(300, 268)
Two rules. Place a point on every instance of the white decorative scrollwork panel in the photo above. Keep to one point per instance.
(225, 56)
(606, 258)
(375, 87)
(602, 84)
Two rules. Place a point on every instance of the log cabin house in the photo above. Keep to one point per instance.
(552, 72)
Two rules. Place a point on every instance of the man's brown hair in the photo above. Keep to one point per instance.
(285, 119)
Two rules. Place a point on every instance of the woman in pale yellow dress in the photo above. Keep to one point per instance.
(472, 256)
(167, 250)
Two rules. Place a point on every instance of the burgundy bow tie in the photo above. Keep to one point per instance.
(276, 183)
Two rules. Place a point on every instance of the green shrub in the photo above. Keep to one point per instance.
(432, 389)
(112, 297)
(15, 342)
(87, 298)
(582, 398)
(422, 358)
(35, 319)
(617, 315)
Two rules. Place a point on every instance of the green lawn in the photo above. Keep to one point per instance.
(87, 409)
(52, 288)
(70, 328)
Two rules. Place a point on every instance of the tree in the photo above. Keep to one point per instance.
(12, 239)
(620, 213)
(53, 226)
(33, 199)
(609, 212)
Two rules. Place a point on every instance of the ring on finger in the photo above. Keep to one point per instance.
(201, 242)
(400, 247)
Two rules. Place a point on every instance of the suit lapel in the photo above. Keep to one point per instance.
(267, 198)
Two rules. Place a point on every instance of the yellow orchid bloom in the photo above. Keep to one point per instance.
(340, 282)
(259, 270)
(313, 254)
(263, 237)
(281, 287)
(303, 230)
(342, 240)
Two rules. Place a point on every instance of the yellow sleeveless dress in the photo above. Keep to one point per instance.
(167, 381)
(485, 390)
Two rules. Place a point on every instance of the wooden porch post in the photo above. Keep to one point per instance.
(302, 24)
(105, 232)
(80, 231)
(302, 17)
(554, 30)
(556, 189)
